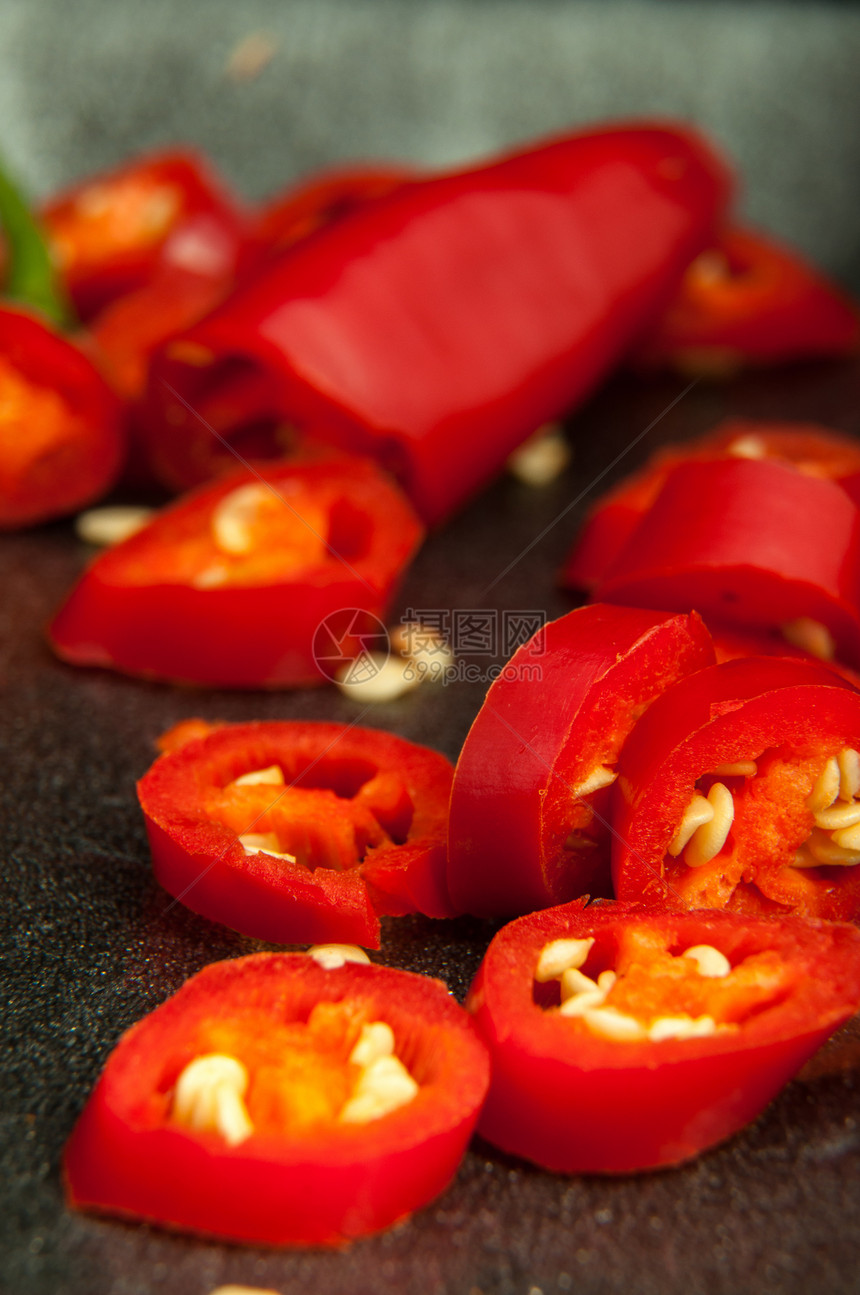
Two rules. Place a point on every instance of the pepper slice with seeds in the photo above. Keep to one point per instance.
(624, 1038)
(529, 823)
(230, 585)
(273, 1100)
(298, 830)
(739, 789)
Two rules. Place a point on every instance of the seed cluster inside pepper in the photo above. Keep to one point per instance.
(326, 817)
(782, 810)
(645, 988)
(251, 1075)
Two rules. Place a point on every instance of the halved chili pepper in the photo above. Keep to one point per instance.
(60, 441)
(295, 831)
(272, 1100)
(750, 542)
(230, 584)
(750, 300)
(623, 1038)
(323, 198)
(813, 450)
(440, 325)
(107, 232)
(739, 789)
(529, 807)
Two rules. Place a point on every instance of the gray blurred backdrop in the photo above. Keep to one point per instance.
(85, 82)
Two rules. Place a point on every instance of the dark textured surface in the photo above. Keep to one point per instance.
(90, 943)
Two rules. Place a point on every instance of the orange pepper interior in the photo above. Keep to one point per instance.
(111, 217)
(299, 1072)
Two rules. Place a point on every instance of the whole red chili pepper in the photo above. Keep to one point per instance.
(279, 1101)
(529, 807)
(624, 1038)
(300, 831)
(438, 326)
(60, 440)
(739, 788)
(750, 300)
(108, 231)
(751, 542)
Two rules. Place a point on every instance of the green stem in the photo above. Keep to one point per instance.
(30, 276)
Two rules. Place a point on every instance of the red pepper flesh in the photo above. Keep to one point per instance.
(363, 815)
(438, 326)
(524, 833)
(316, 1182)
(576, 1102)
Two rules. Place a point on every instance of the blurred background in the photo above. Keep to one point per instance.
(272, 89)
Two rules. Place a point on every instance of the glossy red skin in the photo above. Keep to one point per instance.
(816, 451)
(732, 711)
(576, 1104)
(535, 739)
(125, 1157)
(770, 306)
(59, 480)
(94, 282)
(201, 862)
(248, 636)
(323, 198)
(440, 325)
(750, 542)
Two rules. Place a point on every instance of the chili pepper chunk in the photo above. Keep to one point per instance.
(300, 831)
(624, 1038)
(275, 1100)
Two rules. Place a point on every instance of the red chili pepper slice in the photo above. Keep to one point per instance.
(440, 325)
(738, 789)
(675, 1048)
(326, 828)
(749, 542)
(229, 585)
(813, 450)
(750, 300)
(323, 198)
(60, 441)
(107, 232)
(529, 808)
(286, 1145)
